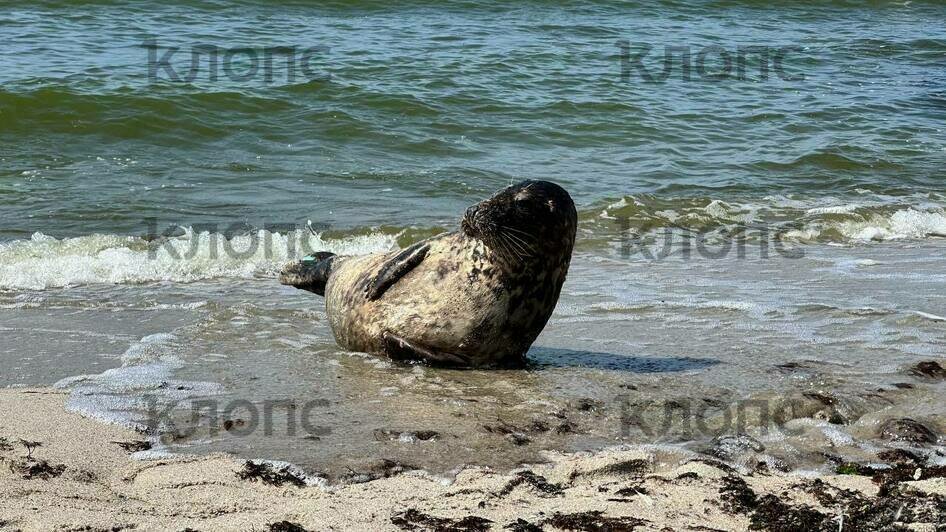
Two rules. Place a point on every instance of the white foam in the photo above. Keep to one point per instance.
(905, 223)
(46, 262)
(929, 316)
(836, 209)
(729, 305)
(144, 381)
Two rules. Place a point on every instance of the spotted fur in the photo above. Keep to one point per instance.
(482, 294)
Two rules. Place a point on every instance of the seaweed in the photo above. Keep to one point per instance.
(630, 491)
(928, 368)
(899, 456)
(854, 511)
(521, 525)
(413, 519)
(737, 496)
(538, 482)
(850, 468)
(890, 478)
(895, 507)
(776, 516)
(41, 469)
(133, 446)
(594, 521)
(286, 526)
(637, 467)
(267, 474)
(383, 468)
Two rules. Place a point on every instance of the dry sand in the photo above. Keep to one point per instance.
(78, 478)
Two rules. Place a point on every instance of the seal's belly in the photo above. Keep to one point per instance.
(453, 301)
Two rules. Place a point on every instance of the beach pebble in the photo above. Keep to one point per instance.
(907, 430)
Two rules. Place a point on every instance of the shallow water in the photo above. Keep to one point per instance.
(742, 241)
(250, 366)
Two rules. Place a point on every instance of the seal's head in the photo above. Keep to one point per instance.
(532, 221)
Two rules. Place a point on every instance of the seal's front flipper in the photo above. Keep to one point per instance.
(395, 268)
(397, 348)
(311, 273)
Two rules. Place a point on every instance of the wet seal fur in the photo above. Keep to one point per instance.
(477, 297)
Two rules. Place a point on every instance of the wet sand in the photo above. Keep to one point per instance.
(63, 471)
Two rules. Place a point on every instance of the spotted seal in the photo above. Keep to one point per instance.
(477, 297)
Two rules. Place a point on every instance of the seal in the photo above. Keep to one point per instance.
(476, 297)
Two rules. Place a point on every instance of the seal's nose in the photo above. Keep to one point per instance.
(468, 222)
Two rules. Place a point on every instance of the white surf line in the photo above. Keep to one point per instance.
(928, 316)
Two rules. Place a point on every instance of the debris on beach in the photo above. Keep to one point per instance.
(133, 446)
(267, 473)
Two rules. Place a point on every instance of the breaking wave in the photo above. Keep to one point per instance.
(851, 221)
(46, 262)
(42, 261)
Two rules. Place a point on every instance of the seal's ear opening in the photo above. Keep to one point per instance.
(311, 273)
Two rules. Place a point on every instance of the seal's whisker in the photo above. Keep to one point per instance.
(521, 242)
(528, 244)
(519, 251)
(509, 253)
(520, 231)
(502, 247)
(512, 245)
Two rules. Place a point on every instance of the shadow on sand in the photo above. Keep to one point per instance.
(550, 357)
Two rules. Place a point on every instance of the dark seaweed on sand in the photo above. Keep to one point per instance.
(286, 526)
(133, 446)
(892, 506)
(267, 474)
(521, 525)
(543, 486)
(36, 469)
(383, 468)
(412, 519)
(594, 521)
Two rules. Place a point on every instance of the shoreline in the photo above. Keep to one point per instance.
(63, 471)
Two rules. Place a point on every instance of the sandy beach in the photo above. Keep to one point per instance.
(65, 472)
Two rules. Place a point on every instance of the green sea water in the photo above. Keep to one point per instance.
(404, 115)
